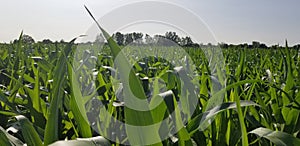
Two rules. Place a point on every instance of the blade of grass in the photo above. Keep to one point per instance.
(94, 141)
(57, 94)
(134, 87)
(183, 135)
(290, 115)
(199, 122)
(8, 140)
(77, 105)
(276, 137)
(237, 100)
(30, 135)
(3, 138)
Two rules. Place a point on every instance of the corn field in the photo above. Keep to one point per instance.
(49, 98)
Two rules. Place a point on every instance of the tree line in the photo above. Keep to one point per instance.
(168, 39)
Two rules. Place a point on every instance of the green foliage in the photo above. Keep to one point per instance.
(277, 137)
(95, 141)
(46, 98)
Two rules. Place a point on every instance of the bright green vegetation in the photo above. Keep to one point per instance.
(43, 94)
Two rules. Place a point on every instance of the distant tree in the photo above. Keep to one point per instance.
(255, 44)
(47, 41)
(296, 46)
(128, 38)
(99, 39)
(161, 40)
(223, 45)
(187, 41)
(173, 37)
(137, 37)
(15, 41)
(263, 46)
(196, 45)
(148, 39)
(231, 46)
(119, 37)
(209, 44)
(27, 39)
(274, 46)
(62, 41)
(245, 45)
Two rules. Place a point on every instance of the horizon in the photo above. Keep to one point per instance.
(162, 34)
(232, 22)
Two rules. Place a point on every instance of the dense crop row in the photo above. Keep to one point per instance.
(51, 92)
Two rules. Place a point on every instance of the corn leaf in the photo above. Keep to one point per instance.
(30, 135)
(57, 94)
(77, 105)
(276, 137)
(8, 140)
(132, 89)
(199, 122)
(94, 141)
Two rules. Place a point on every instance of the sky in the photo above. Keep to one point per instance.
(229, 21)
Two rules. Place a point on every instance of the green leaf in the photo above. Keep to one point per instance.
(183, 135)
(159, 105)
(38, 107)
(235, 94)
(77, 105)
(276, 137)
(3, 138)
(4, 54)
(290, 115)
(45, 65)
(56, 96)
(29, 134)
(94, 141)
(8, 140)
(200, 121)
(132, 89)
(28, 78)
(4, 99)
(7, 113)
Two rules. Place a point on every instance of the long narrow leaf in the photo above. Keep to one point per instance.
(132, 89)
(30, 135)
(276, 137)
(200, 121)
(94, 141)
(59, 81)
(8, 140)
(77, 105)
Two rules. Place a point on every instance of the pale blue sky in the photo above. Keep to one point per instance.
(231, 21)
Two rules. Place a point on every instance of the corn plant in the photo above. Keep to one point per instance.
(47, 98)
